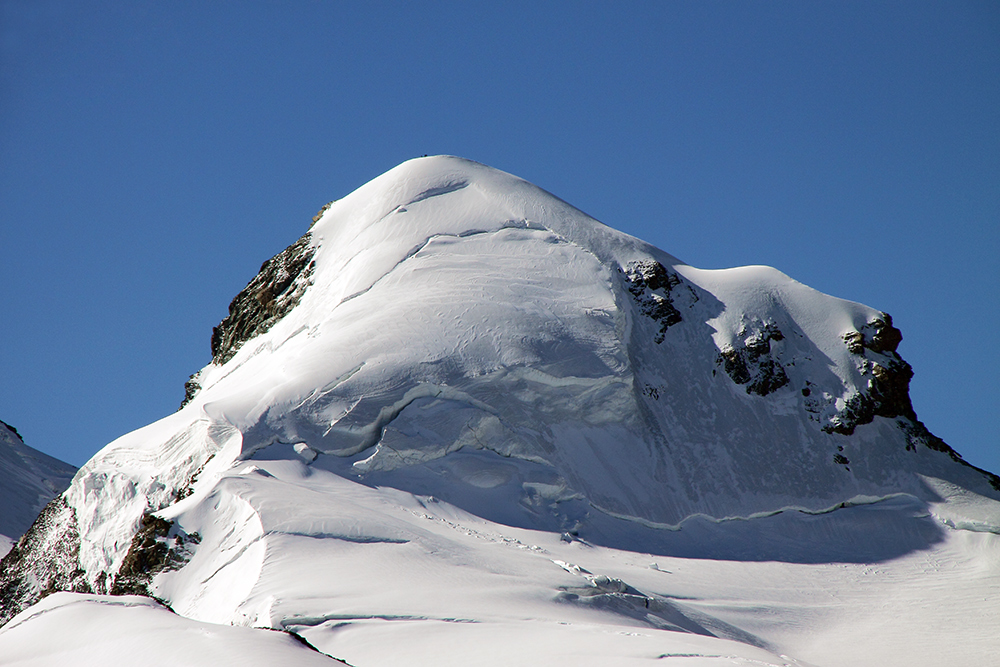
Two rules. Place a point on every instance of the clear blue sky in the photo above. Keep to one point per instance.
(153, 154)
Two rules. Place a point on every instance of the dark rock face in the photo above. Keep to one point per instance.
(878, 336)
(888, 391)
(267, 298)
(191, 387)
(650, 284)
(156, 546)
(46, 559)
(750, 361)
(273, 292)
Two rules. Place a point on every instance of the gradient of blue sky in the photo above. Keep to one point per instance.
(153, 154)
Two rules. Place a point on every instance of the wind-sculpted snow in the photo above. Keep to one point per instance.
(492, 424)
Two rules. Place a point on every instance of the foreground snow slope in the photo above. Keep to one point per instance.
(370, 574)
(75, 629)
(376, 576)
(461, 416)
(29, 479)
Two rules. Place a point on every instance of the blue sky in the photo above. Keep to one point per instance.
(153, 154)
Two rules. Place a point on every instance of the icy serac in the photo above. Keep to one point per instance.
(452, 359)
(29, 479)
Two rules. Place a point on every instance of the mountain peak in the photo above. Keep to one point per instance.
(450, 346)
(447, 308)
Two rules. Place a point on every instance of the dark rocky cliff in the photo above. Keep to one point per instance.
(273, 292)
(271, 295)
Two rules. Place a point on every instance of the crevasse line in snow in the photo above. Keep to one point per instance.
(857, 501)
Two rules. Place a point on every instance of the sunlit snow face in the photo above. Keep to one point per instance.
(456, 309)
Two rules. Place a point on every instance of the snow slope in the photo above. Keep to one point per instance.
(462, 418)
(29, 479)
(377, 576)
(75, 629)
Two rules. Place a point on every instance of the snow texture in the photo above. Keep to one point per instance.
(492, 430)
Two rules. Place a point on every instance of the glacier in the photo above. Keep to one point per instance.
(461, 422)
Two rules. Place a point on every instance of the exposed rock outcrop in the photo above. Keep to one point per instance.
(750, 361)
(650, 284)
(157, 546)
(271, 295)
(191, 387)
(273, 292)
(888, 390)
(25, 577)
(47, 558)
(878, 336)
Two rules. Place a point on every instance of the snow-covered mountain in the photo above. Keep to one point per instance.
(461, 422)
(29, 479)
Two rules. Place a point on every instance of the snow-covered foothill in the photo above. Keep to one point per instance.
(461, 418)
